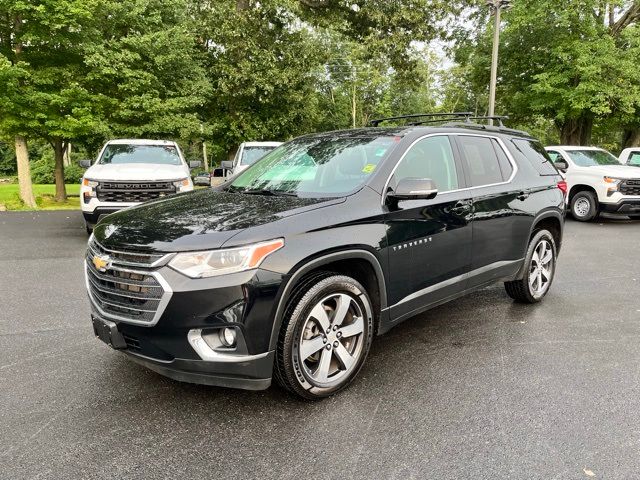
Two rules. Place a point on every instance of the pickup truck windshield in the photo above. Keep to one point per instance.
(159, 154)
(592, 158)
(251, 154)
(319, 166)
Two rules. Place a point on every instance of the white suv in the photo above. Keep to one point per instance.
(597, 182)
(129, 172)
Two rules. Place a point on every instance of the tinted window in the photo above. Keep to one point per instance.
(634, 159)
(481, 160)
(505, 165)
(539, 158)
(120, 153)
(432, 158)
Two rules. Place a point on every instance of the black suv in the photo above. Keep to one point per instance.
(290, 268)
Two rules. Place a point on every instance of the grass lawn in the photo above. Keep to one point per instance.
(10, 198)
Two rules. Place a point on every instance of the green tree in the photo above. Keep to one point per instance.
(571, 61)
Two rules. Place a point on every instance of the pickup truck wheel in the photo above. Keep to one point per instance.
(325, 337)
(88, 228)
(584, 206)
(540, 267)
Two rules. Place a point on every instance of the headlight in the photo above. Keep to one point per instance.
(612, 180)
(89, 183)
(181, 183)
(220, 262)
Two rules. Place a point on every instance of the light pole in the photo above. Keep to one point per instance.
(496, 6)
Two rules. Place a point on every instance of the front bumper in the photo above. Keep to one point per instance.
(245, 301)
(623, 207)
(94, 216)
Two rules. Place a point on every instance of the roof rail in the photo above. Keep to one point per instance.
(456, 115)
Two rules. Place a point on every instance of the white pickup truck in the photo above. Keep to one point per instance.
(248, 153)
(129, 172)
(630, 156)
(597, 182)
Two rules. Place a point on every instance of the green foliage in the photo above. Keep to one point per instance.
(42, 170)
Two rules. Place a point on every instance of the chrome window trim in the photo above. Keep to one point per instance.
(162, 305)
(506, 151)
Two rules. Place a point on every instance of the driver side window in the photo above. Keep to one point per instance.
(431, 157)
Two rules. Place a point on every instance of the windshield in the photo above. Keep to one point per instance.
(120, 153)
(320, 166)
(251, 154)
(592, 158)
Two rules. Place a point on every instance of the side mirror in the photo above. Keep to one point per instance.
(414, 189)
(561, 165)
(195, 164)
(85, 163)
(218, 172)
(227, 164)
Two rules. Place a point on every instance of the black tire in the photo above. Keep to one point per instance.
(584, 206)
(88, 228)
(295, 373)
(522, 290)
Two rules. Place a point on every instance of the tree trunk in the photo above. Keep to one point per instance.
(24, 172)
(631, 137)
(58, 172)
(576, 131)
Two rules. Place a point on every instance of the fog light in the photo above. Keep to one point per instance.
(228, 337)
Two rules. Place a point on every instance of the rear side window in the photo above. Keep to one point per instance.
(634, 159)
(537, 156)
(485, 160)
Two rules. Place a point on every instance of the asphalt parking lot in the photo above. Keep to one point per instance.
(481, 388)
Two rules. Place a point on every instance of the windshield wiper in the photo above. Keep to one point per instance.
(267, 192)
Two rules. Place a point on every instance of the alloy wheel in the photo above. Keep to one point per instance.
(331, 342)
(541, 269)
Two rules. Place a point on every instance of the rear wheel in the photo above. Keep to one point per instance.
(584, 206)
(540, 268)
(325, 338)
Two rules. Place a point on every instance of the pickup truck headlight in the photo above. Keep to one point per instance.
(89, 189)
(613, 184)
(182, 183)
(220, 262)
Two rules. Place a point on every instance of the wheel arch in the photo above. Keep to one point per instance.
(318, 263)
(551, 220)
(580, 187)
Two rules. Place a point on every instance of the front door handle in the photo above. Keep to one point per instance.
(461, 207)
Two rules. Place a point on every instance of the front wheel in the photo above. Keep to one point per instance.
(540, 264)
(584, 206)
(325, 338)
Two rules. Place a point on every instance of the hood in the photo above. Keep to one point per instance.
(199, 220)
(137, 171)
(620, 171)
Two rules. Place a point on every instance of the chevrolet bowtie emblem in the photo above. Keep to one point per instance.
(101, 262)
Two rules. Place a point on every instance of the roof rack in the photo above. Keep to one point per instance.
(378, 121)
(467, 117)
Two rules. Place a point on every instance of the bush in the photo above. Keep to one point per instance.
(42, 170)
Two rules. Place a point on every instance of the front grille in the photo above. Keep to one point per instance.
(630, 187)
(119, 293)
(126, 259)
(133, 191)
